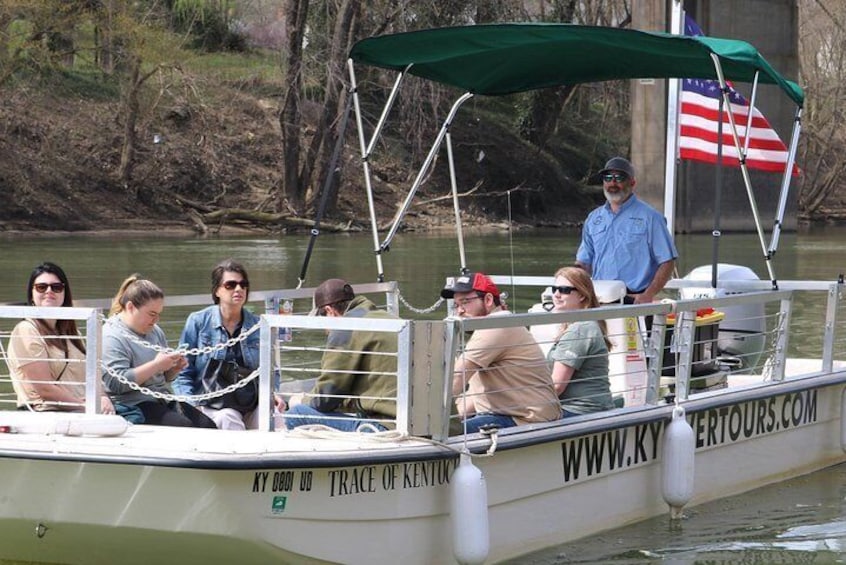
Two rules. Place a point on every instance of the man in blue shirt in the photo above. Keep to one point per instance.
(627, 239)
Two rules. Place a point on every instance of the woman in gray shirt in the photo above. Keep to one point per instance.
(135, 310)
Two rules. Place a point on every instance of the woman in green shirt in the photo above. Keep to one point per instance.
(580, 354)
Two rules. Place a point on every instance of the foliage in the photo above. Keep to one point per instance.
(126, 53)
(210, 22)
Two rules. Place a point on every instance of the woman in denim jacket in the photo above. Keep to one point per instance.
(208, 372)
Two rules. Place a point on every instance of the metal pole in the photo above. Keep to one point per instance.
(671, 156)
(718, 193)
(93, 331)
(327, 186)
(424, 168)
(265, 370)
(749, 115)
(785, 182)
(364, 162)
(454, 185)
(744, 170)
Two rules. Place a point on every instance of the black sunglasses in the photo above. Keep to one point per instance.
(615, 177)
(230, 285)
(55, 287)
(563, 289)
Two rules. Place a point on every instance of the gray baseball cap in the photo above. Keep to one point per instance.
(619, 164)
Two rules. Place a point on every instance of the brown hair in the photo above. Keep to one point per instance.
(580, 279)
(227, 265)
(136, 290)
(63, 327)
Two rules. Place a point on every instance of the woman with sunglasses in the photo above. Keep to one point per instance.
(579, 355)
(47, 356)
(213, 371)
(129, 337)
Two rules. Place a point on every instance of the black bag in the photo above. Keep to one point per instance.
(219, 375)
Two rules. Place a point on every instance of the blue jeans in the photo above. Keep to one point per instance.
(473, 424)
(303, 415)
(567, 414)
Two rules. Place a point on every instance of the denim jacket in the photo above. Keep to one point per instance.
(205, 328)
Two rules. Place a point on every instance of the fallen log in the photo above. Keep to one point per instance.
(273, 219)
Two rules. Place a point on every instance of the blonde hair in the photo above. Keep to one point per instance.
(136, 290)
(580, 279)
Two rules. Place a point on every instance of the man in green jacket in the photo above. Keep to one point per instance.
(358, 380)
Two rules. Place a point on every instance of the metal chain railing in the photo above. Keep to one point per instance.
(428, 310)
(195, 350)
(180, 397)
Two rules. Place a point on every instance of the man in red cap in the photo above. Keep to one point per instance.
(358, 369)
(501, 377)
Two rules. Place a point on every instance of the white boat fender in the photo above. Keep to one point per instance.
(103, 425)
(677, 463)
(52, 423)
(469, 513)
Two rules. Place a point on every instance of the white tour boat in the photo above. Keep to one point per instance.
(705, 415)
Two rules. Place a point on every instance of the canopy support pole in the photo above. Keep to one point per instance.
(726, 100)
(424, 168)
(749, 116)
(366, 150)
(785, 182)
(454, 186)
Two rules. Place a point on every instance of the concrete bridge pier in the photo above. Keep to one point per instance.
(772, 27)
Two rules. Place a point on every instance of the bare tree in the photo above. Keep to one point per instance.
(290, 114)
(822, 53)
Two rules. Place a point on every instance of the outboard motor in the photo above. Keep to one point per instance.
(742, 331)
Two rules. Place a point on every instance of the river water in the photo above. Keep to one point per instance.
(799, 521)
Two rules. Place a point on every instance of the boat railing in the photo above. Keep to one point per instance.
(680, 355)
(177, 308)
(427, 349)
(817, 317)
(300, 360)
(90, 332)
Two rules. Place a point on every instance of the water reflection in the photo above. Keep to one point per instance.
(802, 520)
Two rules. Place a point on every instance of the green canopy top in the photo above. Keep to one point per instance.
(501, 59)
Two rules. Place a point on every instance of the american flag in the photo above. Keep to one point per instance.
(698, 120)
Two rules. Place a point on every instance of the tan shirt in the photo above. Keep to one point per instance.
(515, 379)
(27, 345)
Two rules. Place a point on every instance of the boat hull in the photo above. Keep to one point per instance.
(546, 485)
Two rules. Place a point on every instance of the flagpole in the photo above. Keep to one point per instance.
(718, 191)
(671, 155)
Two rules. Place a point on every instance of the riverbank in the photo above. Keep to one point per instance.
(213, 168)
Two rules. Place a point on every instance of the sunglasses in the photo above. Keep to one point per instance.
(55, 287)
(563, 289)
(615, 177)
(230, 285)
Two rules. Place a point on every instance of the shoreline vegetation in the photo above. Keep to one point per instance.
(143, 124)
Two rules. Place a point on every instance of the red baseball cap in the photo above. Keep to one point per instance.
(468, 283)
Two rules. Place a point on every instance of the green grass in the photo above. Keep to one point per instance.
(255, 67)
